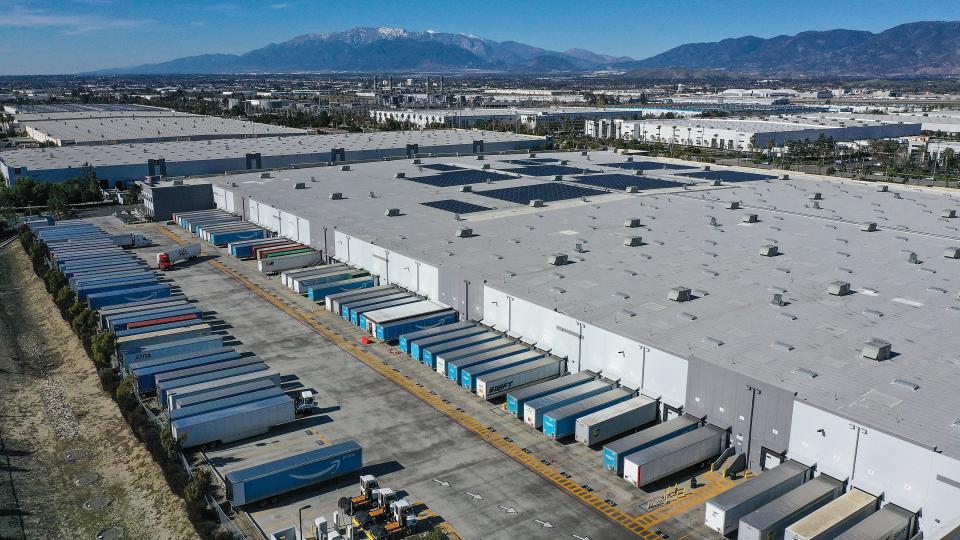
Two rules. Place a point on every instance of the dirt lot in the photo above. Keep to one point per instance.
(64, 443)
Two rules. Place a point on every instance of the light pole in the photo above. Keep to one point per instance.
(300, 518)
(754, 392)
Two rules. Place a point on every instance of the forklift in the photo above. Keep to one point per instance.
(402, 523)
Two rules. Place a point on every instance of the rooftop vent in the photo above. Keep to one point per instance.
(733, 205)
(400, 175)
(784, 176)
(679, 294)
(632, 223)
(638, 172)
(782, 345)
(876, 349)
(903, 383)
(485, 166)
(532, 155)
(883, 189)
(715, 183)
(897, 196)
(178, 182)
(480, 157)
(949, 214)
(392, 212)
(466, 189)
(416, 161)
(808, 373)
(558, 178)
(769, 250)
(816, 205)
(464, 232)
(633, 241)
(912, 258)
(558, 259)
(838, 288)
(632, 189)
(952, 253)
(869, 226)
(264, 175)
(686, 316)
(536, 203)
(816, 196)
(583, 153)
(300, 185)
(750, 218)
(626, 313)
(564, 161)
(706, 167)
(344, 167)
(336, 196)
(629, 160)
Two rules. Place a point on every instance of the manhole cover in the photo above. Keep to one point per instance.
(86, 479)
(110, 533)
(76, 454)
(97, 503)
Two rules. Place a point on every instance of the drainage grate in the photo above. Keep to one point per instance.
(86, 479)
(97, 503)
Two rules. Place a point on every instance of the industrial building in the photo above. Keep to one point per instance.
(128, 162)
(85, 127)
(745, 134)
(529, 118)
(805, 315)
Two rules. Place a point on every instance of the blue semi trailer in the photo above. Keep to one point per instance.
(406, 338)
(320, 292)
(136, 294)
(286, 474)
(392, 330)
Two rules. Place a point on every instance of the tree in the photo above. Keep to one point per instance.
(197, 487)
(57, 204)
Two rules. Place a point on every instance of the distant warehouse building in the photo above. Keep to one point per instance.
(749, 134)
(138, 126)
(127, 162)
(527, 117)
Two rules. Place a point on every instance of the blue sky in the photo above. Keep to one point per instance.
(68, 36)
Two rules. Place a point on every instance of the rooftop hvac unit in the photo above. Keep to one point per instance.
(583, 153)
(952, 253)
(733, 205)
(679, 294)
(912, 258)
(876, 349)
(558, 259)
(336, 196)
(769, 250)
(883, 189)
(558, 178)
(777, 300)
(578, 247)
(466, 189)
(464, 232)
(532, 155)
(816, 196)
(300, 185)
(400, 175)
(480, 157)
(629, 160)
(632, 189)
(485, 166)
(633, 241)
(233, 184)
(868, 226)
(564, 161)
(632, 223)
(838, 288)
(392, 212)
(949, 214)
(715, 183)
(750, 218)
(706, 167)
(536, 203)
(344, 167)
(264, 175)
(784, 176)
(638, 172)
(416, 161)
(178, 182)
(816, 205)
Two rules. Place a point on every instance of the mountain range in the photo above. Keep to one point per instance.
(912, 49)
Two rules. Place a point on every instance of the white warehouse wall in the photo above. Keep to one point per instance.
(391, 267)
(906, 474)
(654, 372)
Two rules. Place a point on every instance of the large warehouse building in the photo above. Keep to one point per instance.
(85, 127)
(528, 117)
(127, 162)
(810, 317)
(745, 134)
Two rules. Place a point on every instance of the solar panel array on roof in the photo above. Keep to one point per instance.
(545, 192)
(455, 206)
(460, 178)
(441, 167)
(549, 170)
(728, 176)
(621, 181)
(647, 166)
